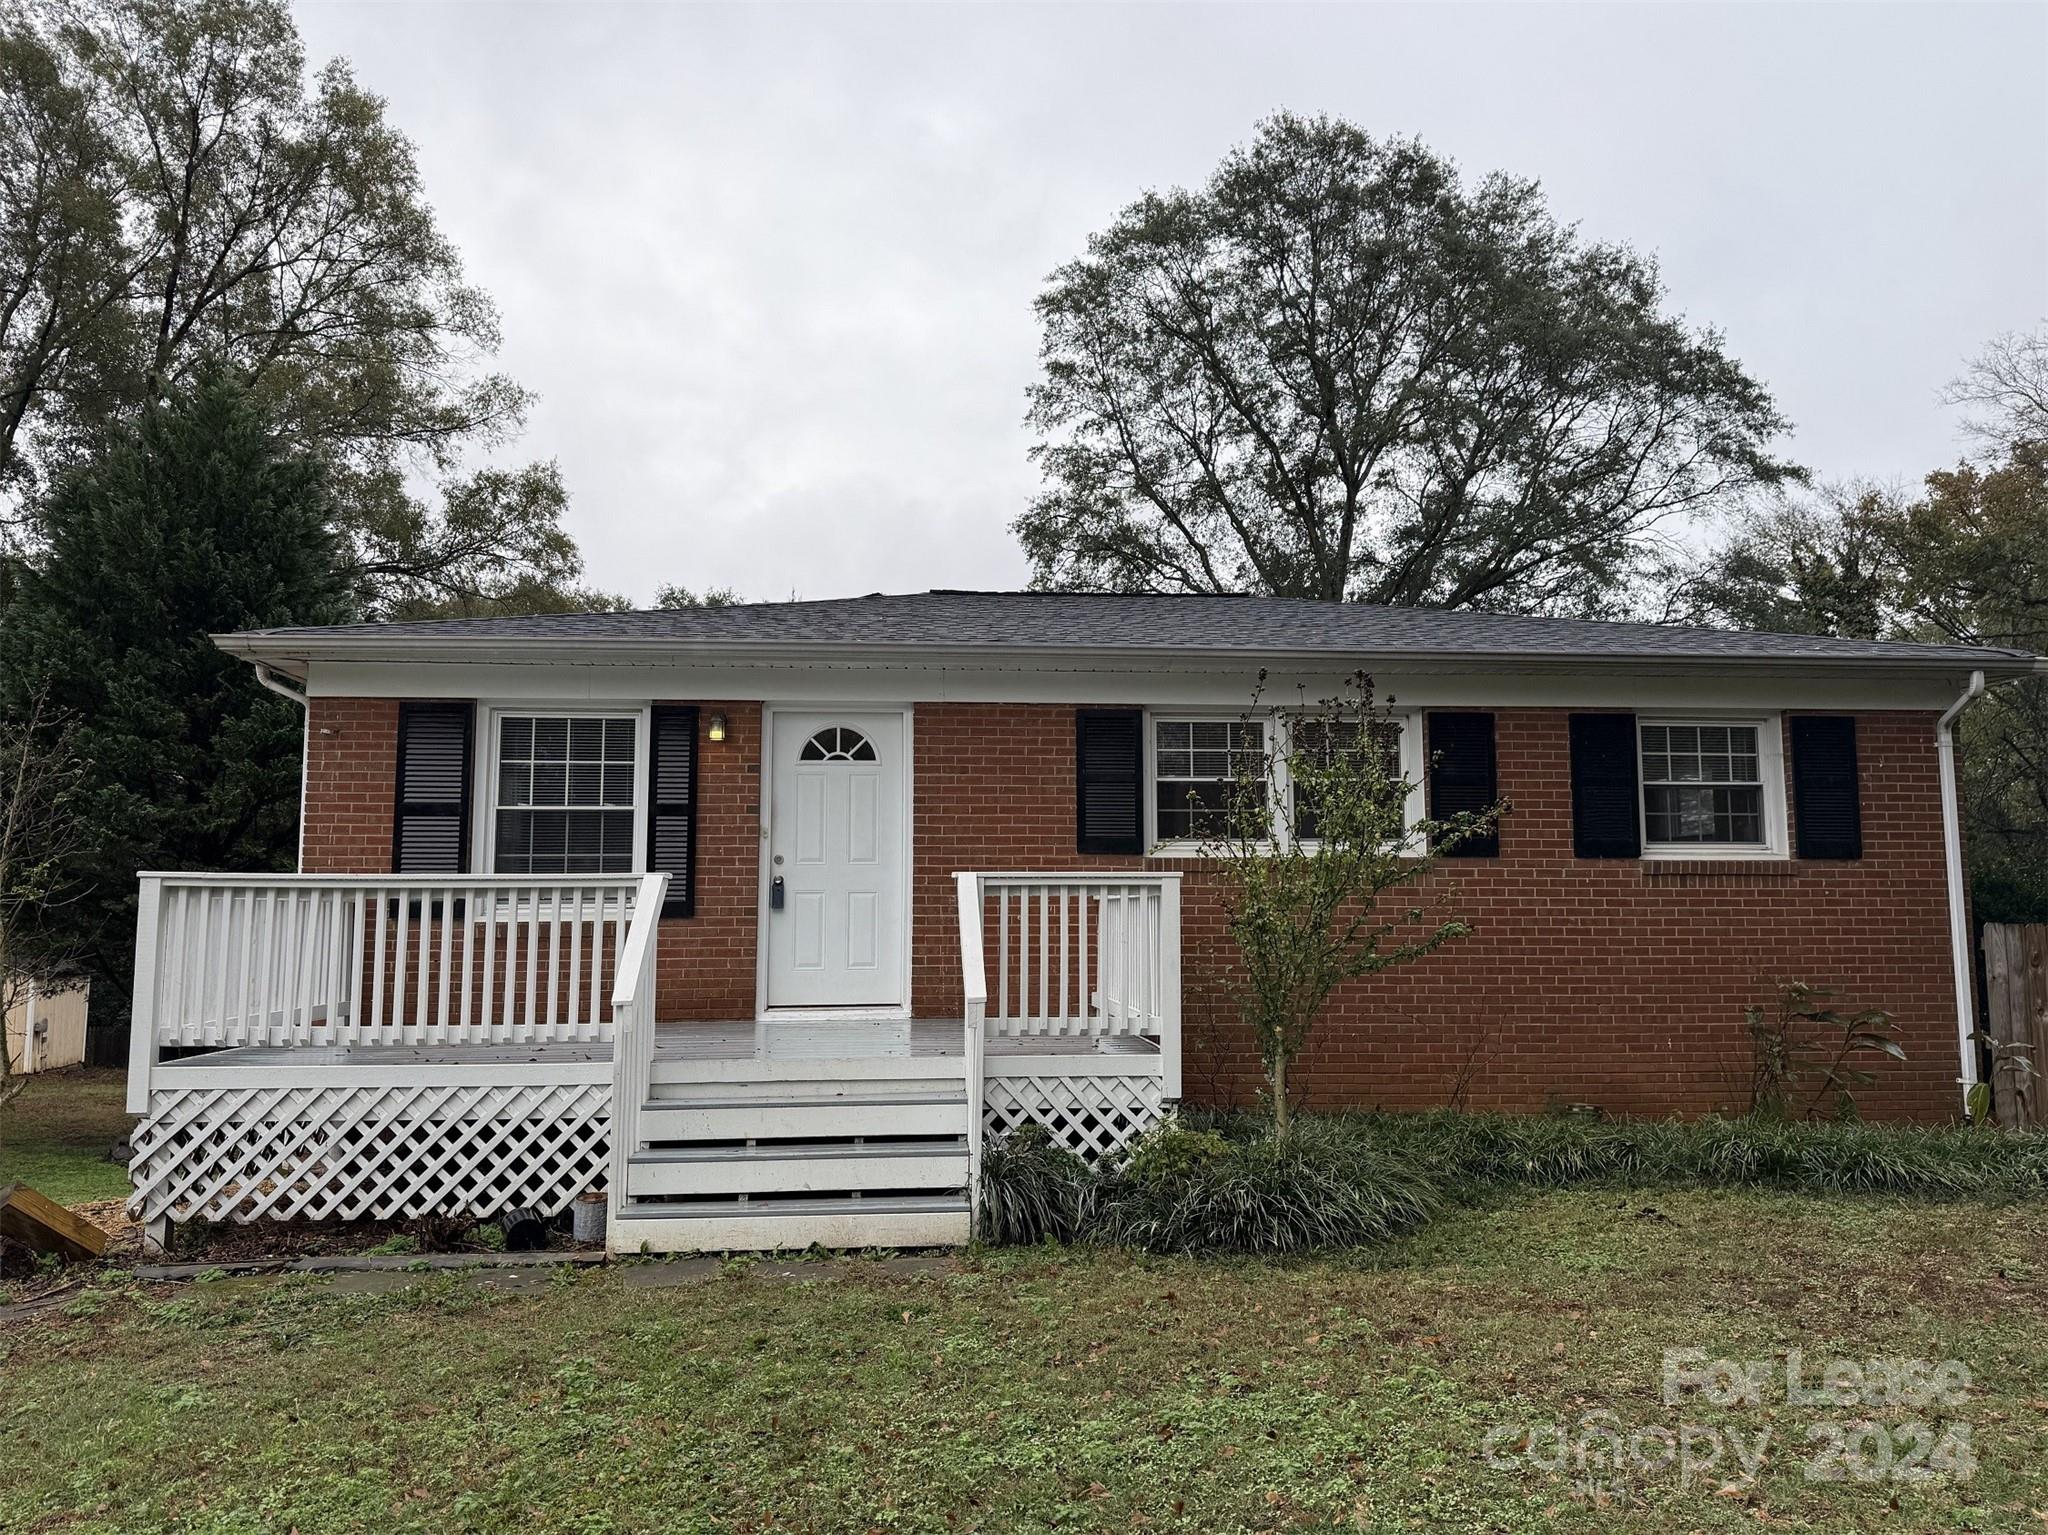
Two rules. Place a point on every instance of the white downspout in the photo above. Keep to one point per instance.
(282, 689)
(277, 684)
(1958, 909)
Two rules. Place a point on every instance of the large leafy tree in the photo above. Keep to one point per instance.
(1811, 563)
(177, 199)
(1964, 559)
(201, 518)
(1336, 371)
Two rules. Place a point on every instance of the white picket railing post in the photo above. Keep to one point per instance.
(142, 1015)
(974, 989)
(1169, 988)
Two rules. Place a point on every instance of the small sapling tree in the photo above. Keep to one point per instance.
(39, 783)
(1313, 839)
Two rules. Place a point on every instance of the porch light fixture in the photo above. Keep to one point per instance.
(717, 730)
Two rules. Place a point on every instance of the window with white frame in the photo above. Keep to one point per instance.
(1198, 769)
(1199, 765)
(564, 793)
(1322, 738)
(1704, 784)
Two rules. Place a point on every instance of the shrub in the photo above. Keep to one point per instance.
(1311, 1189)
(1173, 1151)
(1801, 1041)
(1033, 1189)
(1819, 1157)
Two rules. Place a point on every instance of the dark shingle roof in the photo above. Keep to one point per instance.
(1091, 621)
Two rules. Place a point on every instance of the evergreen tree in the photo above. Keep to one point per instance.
(195, 521)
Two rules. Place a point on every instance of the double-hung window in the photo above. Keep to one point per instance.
(565, 793)
(1320, 740)
(1200, 769)
(1203, 768)
(1708, 784)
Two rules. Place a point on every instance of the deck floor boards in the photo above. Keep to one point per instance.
(718, 1040)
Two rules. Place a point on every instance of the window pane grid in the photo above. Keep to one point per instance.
(1197, 767)
(1319, 740)
(1702, 783)
(565, 794)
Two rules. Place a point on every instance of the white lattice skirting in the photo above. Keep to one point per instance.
(368, 1153)
(1091, 1115)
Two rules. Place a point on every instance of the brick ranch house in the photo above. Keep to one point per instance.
(757, 919)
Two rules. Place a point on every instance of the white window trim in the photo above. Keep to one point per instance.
(1278, 723)
(1770, 766)
(484, 794)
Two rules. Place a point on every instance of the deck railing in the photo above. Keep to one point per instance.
(1076, 954)
(299, 960)
(633, 1025)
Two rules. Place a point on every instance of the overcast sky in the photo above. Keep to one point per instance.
(771, 268)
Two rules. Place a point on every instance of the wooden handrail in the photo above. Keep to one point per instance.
(634, 1023)
(450, 881)
(974, 1009)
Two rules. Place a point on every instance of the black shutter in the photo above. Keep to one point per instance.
(1462, 777)
(1606, 810)
(1825, 808)
(430, 834)
(672, 806)
(1109, 779)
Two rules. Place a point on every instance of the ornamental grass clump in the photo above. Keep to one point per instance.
(1311, 1190)
(1229, 1184)
(1822, 1157)
(1033, 1190)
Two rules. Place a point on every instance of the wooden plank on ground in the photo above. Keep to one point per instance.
(46, 1226)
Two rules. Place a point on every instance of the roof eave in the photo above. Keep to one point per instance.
(294, 656)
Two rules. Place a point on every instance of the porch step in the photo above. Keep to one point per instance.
(787, 1161)
(907, 1204)
(808, 1117)
(797, 1167)
(935, 1220)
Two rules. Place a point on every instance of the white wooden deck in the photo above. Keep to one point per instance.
(351, 1047)
(771, 1039)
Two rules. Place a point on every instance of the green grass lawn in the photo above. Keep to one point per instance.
(1048, 1389)
(55, 1135)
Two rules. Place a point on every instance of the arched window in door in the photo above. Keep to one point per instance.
(837, 743)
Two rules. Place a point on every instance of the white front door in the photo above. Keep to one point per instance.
(837, 804)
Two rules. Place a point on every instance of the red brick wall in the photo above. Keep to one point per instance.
(1609, 982)
(1616, 983)
(351, 785)
(706, 963)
